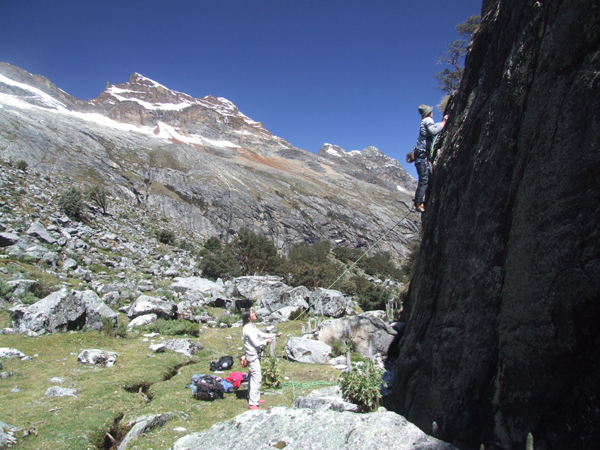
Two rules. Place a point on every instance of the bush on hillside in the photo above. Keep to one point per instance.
(173, 327)
(380, 264)
(370, 296)
(165, 236)
(310, 266)
(71, 203)
(22, 165)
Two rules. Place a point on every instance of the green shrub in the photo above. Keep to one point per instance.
(255, 253)
(228, 320)
(212, 244)
(340, 348)
(165, 236)
(271, 375)
(71, 203)
(110, 329)
(371, 296)
(21, 165)
(174, 327)
(186, 245)
(309, 265)
(28, 298)
(362, 386)
(220, 263)
(5, 290)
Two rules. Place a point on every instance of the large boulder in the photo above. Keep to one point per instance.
(8, 239)
(502, 320)
(152, 305)
(363, 330)
(6, 352)
(60, 311)
(38, 230)
(265, 290)
(299, 429)
(307, 350)
(143, 425)
(328, 302)
(198, 285)
(96, 310)
(186, 347)
(299, 297)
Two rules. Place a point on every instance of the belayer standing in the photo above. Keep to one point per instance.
(254, 341)
(427, 131)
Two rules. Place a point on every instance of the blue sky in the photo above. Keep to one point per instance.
(344, 72)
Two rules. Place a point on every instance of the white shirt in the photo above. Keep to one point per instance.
(254, 340)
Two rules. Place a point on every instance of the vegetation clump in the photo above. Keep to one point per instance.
(362, 386)
(71, 203)
(271, 375)
(173, 327)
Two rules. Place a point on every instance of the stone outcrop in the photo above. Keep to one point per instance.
(298, 429)
(366, 333)
(61, 311)
(502, 335)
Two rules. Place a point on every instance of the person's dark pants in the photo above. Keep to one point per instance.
(423, 172)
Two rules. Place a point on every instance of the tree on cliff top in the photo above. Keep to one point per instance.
(449, 78)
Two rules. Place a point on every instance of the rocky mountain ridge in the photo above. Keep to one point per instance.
(205, 164)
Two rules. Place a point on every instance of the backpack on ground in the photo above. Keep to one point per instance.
(237, 378)
(224, 363)
(227, 386)
(208, 388)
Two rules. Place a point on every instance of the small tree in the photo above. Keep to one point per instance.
(256, 253)
(309, 265)
(220, 262)
(99, 195)
(449, 78)
(71, 203)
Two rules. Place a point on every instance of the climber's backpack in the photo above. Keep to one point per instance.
(224, 363)
(237, 378)
(209, 389)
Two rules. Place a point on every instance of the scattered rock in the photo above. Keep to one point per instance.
(57, 391)
(97, 357)
(184, 346)
(7, 353)
(326, 398)
(307, 350)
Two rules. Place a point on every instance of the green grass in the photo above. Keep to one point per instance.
(71, 423)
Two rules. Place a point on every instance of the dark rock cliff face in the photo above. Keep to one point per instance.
(503, 316)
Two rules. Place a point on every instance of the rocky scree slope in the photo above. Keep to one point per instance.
(503, 335)
(204, 164)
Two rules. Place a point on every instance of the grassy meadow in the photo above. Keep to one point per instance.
(107, 398)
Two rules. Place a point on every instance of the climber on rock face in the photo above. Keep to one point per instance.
(427, 131)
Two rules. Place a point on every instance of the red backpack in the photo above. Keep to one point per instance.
(236, 378)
